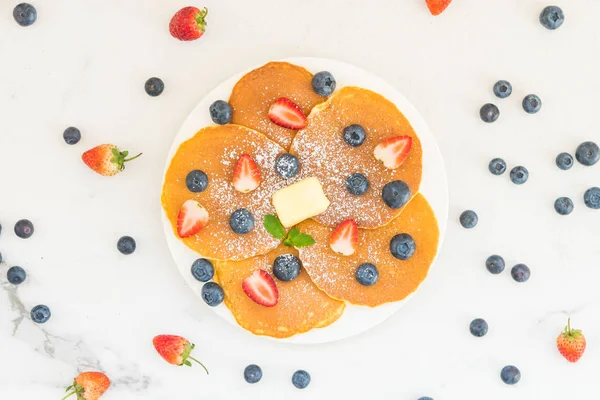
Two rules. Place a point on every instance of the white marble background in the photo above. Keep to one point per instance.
(84, 63)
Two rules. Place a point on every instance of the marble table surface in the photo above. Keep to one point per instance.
(84, 63)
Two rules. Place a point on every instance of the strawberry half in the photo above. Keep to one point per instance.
(88, 386)
(344, 238)
(175, 350)
(287, 114)
(191, 219)
(436, 7)
(246, 176)
(261, 288)
(107, 159)
(393, 151)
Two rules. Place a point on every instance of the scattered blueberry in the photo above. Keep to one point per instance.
(367, 274)
(354, 135)
(532, 104)
(40, 314)
(203, 270)
(564, 161)
(395, 194)
(478, 327)
(301, 379)
(519, 175)
(221, 112)
(286, 267)
(24, 229)
(241, 221)
(323, 83)
(212, 294)
(468, 219)
(252, 373)
(126, 245)
(510, 375)
(25, 14)
(495, 264)
(497, 166)
(587, 153)
(0, 258)
(357, 184)
(563, 205)
(72, 135)
(287, 165)
(196, 181)
(552, 17)
(154, 86)
(591, 198)
(502, 89)
(489, 113)
(402, 246)
(16, 275)
(425, 398)
(520, 273)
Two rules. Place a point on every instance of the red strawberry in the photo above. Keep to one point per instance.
(287, 114)
(571, 343)
(189, 23)
(436, 7)
(344, 238)
(175, 350)
(107, 159)
(261, 288)
(89, 386)
(191, 219)
(393, 151)
(246, 176)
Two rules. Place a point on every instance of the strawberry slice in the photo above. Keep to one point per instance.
(287, 114)
(393, 151)
(246, 176)
(191, 219)
(261, 288)
(436, 7)
(344, 238)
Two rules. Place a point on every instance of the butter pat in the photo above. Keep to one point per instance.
(300, 201)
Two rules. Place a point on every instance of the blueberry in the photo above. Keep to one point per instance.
(519, 175)
(357, 184)
(367, 274)
(587, 153)
(552, 17)
(241, 221)
(154, 86)
(16, 275)
(489, 113)
(520, 273)
(221, 112)
(395, 194)
(40, 314)
(196, 181)
(25, 14)
(287, 165)
(502, 89)
(24, 229)
(0, 258)
(354, 135)
(563, 205)
(323, 83)
(478, 327)
(286, 267)
(203, 270)
(72, 135)
(301, 379)
(402, 246)
(212, 294)
(497, 166)
(252, 373)
(510, 375)
(564, 161)
(495, 264)
(591, 198)
(425, 398)
(532, 104)
(468, 219)
(126, 245)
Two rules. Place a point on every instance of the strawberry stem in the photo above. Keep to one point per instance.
(132, 158)
(569, 326)
(192, 358)
(69, 394)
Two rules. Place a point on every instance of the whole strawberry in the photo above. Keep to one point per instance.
(436, 7)
(107, 159)
(175, 350)
(189, 23)
(88, 386)
(571, 343)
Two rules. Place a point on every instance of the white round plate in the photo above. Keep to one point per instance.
(434, 187)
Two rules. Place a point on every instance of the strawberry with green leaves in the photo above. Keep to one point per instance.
(175, 350)
(107, 159)
(88, 386)
(571, 343)
(188, 24)
(293, 238)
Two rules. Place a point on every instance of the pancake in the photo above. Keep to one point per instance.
(335, 274)
(216, 150)
(324, 154)
(301, 307)
(254, 94)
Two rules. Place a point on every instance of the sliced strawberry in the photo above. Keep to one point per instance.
(344, 238)
(287, 114)
(393, 151)
(191, 219)
(261, 288)
(436, 7)
(246, 176)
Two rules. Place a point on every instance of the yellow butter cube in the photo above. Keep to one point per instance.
(300, 201)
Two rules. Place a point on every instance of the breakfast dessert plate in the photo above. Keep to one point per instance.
(355, 319)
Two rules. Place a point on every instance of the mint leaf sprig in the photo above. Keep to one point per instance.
(294, 237)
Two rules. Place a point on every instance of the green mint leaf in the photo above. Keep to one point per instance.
(293, 233)
(274, 227)
(303, 240)
(288, 242)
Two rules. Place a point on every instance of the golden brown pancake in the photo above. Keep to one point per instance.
(324, 154)
(335, 274)
(254, 94)
(301, 307)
